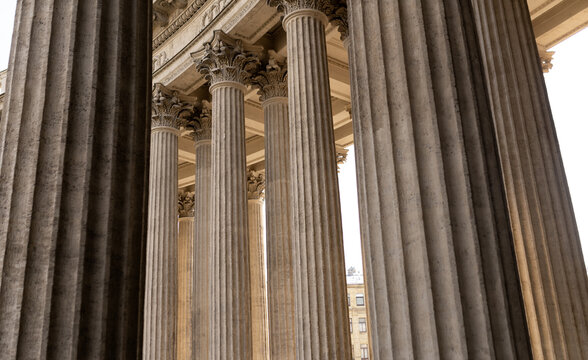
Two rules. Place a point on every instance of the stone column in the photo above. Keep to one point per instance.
(322, 321)
(185, 273)
(255, 189)
(226, 63)
(73, 164)
(202, 226)
(159, 337)
(551, 265)
(273, 89)
(440, 275)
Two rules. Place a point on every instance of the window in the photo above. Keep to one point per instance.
(348, 300)
(362, 325)
(365, 354)
(351, 325)
(359, 300)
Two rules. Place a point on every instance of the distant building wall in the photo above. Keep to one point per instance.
(358, 317)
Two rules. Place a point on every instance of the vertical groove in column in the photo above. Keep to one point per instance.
(549, 250)
(71, 229)
(430, 223)
(322, 322)
(259, 329)
(202, 248)
(159, 339)
(185, 281)
(230, 335)
(278, 205)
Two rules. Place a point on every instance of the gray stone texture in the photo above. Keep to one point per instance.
(227, 63)
(273, 90)
(440, 274)
(259, 328)
(161, 283)
(551, 266)
(202, 226)
(74, 140)
(185, 251)
(322, 321)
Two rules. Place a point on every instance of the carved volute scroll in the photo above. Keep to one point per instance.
(166, 108)
(255, 184)
(227, 59)
(273, 81)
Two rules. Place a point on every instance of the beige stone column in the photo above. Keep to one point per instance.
(202, 226)
(551, 265)
(159, 336)
(226, 63)
(259, 333)
(440, 275)
(273, 89)
(322, 321)
(74, 140)
(185, 273)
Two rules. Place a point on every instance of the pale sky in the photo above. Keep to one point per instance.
(567, 84)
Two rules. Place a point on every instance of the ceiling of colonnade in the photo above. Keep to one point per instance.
(181, 27)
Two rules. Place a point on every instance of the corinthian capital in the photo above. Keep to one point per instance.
(166, 107)
(273, 81)
(337, 14)
(287, 6)
(186, 204)
(255, 184)
(227, 59)
(203, 124)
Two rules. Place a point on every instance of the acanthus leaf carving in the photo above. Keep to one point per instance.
(255, 184)
(273, 81)
(227, 59)
(186, 204)
(166, 107)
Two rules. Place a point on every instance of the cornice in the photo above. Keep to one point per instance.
(178, 22)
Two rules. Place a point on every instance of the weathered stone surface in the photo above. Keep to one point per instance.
(227, 64)
(161, 299)
(441, 278)
(322, 322)
(273, 90)
(73, 138)
(185, 251)
(551, 266)
(202, 226)
(259, 333)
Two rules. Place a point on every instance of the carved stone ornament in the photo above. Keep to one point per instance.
(273, 81)
(337, 14)
(255, 185)
(203, 124)
(287, 6)
(186, 204)
(227, 59)
(341, 157)
(166, 107)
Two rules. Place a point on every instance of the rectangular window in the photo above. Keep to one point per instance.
(351, 325)
(362, 325)
(348, 300)
(359, 300)
(365, 354)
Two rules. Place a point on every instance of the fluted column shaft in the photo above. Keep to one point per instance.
(185, 281)
(278, 208)
(159, 339)
(441, 280)
(322, 321)
(230, 336)
(549, 254)
(73, 162)
(257, 270)
(202, 248)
